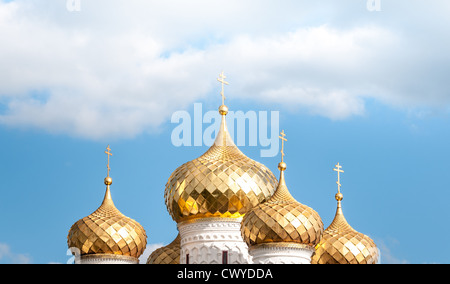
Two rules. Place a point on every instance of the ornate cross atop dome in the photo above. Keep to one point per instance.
(339, 170)
(221, 79)
(283, 139)
(108, 152)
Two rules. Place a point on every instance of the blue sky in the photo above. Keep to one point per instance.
(366, 89)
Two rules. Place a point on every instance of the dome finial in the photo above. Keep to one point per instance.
(108, 179)
(339, 195)
(282, 193)
(223, 110)
(282, 166)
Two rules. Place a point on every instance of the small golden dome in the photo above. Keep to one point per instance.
(169, 254)
(223, 182)
(341, 244)
(108, 231)
(282, 219)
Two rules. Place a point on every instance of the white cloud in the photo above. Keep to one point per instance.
(7, 256)
(120, 68)
(386, 255)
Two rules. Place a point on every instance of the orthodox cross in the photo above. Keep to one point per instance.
(221, 79)
(283, 139)
(108, 152)
(339, 170)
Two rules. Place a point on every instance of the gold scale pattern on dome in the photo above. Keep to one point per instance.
(282, 220)
(341, 244)
(169, 254)
(107, 230)
(222, 183)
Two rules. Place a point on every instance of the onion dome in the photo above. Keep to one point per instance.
(282, 220)
(341, 244)
(222, 183)
(169, 254)
(108, 231)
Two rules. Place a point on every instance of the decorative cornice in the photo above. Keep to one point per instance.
(99, 258)
(281, 246)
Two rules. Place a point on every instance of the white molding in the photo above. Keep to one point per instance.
(106, 259)
(281, 253)
(205, 240)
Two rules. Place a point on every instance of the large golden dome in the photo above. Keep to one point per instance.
(341, 244)
(282, 220)
(169, 254)
(223, 182)
(108, 231)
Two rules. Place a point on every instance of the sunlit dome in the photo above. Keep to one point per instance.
(107, 231)
(282, 220)
(341, 244)
(222, 183)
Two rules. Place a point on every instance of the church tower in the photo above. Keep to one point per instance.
(107, 236)
(341, 244)
(282, 230)
(208, 197)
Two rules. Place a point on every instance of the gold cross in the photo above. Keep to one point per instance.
(108, 152)
(339, 170)
(283, 139)
(221, 79)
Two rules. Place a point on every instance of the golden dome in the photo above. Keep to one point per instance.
(107, 231)
(223, 182)
(169, 254)
(282, 219)
(341, 244)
